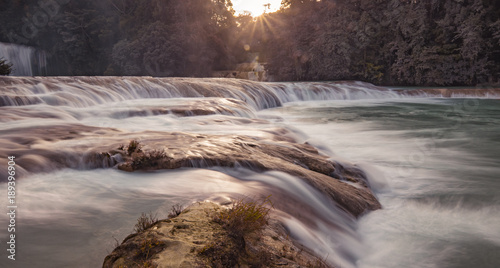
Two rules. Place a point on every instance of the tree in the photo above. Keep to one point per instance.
(156, 52)
(395, 42)
(5, 67)
(175, 38)
(83, 36)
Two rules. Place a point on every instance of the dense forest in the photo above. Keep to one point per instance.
(410, 42)
(396, 42)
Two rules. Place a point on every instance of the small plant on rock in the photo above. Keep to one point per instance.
(133, 146)
(241, 220)
(149, 159)
(145, 221)
(175, 211)
(147, 248)
(244, 217)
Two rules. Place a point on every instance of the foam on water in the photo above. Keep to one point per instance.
(439, 192)
(432, 162)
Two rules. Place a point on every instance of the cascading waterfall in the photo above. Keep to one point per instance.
(72, 210)
(89, 91)
(26, 61)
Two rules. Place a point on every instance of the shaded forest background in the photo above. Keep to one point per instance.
(391, 42)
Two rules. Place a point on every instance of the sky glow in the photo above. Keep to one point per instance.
(256, 7)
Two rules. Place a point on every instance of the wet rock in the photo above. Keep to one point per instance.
(75, 146)
(301, 160)
(182, 247)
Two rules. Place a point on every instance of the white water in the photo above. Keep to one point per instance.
(436, 179)
(26, 61)
(434, 211)
(91, 91)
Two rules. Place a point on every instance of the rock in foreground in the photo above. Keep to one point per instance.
(181, 241)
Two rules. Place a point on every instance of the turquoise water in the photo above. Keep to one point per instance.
(432, 162)
(436, 166)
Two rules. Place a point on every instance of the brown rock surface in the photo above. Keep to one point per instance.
(301, 160)
(177, 242)
(75, 146)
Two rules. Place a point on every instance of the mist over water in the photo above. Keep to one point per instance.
(433, 163)
(436, 170)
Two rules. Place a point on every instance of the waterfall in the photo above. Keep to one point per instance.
(27, 61)
(431, 155)
(90, 91)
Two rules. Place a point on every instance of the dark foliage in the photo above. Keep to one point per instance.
(418, 42)
(5, 67)
(124, 37)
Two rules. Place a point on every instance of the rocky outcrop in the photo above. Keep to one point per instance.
(180, 241)
(176, 150)
(172, 242)
(76, 146)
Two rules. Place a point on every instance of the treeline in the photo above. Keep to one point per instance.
(392, 42)
(125, 37)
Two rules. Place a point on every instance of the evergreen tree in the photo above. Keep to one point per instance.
(395, 42)
(5, 67)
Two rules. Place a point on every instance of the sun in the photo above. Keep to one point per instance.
(255, 7)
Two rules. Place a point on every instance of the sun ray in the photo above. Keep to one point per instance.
(256, 7)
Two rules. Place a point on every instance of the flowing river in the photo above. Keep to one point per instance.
(430, 155)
